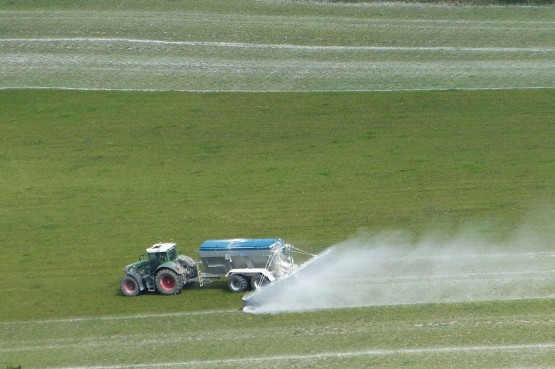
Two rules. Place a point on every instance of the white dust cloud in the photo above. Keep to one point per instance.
(394, 269)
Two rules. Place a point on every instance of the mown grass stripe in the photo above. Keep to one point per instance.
(120, 317)
(242, 45)
(331, 355)
(98, 89)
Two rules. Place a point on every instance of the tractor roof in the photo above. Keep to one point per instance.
(160, 247)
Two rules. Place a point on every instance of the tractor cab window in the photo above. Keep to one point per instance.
(172, 254)
(155, 258)
(162, 257)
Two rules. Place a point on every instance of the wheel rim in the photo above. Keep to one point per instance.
(129, 286)
(236, 285)
(167, 282)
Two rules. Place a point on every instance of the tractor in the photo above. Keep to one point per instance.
(246, 263)
(160, 269)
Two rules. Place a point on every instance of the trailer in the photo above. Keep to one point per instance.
(246, 263)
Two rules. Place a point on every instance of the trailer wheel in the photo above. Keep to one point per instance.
(168, 282)
(258, 280)
(129, 286)
(237, 283)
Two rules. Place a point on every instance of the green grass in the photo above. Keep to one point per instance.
(183, 4)
(275, 46)
(480, 335)
(90, 179)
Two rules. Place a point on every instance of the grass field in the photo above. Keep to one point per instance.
(275, 46)
(495, 335)
(121, 127)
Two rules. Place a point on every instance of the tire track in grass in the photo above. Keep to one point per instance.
(99, 341)
(120, 317)
(201, 66)
(534, 347)
(241, 45)
(337, 20)
(64, 88)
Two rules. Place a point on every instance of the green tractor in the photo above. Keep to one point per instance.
(161, 269)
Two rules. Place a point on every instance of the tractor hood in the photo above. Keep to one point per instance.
(136, 265)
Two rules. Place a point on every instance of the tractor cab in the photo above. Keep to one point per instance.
(161, 253)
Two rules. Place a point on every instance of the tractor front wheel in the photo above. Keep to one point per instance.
(129, 286)
(237, 283)
(169, 282)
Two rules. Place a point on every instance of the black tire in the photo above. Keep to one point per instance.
(258, 281)
(168, 282)
(187, 283)
(238, 283)
(129, 286)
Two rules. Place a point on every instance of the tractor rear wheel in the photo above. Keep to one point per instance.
(237, 283)
(168, 282)
(129, 286)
